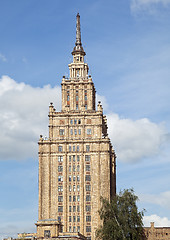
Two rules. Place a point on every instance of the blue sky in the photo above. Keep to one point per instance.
(127, 43)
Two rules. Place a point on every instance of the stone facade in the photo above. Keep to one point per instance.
(77, 164)
(157, 233)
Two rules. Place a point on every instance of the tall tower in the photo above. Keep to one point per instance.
(77, 162)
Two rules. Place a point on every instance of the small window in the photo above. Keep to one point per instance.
(87, 148)
(88, 131)
(74, 208)
(60, 198)
(74, 178)
(79, 131)
(47, 234)
(74, 158)
(69, 228)
(60, 188)
(88, 228)
(77, 148)
(78, 178)
(78, 188)
(69, 148)
(60, 208)
(69, 158)
(88, 208)
(69, 178)
(69, 198)
(74, 198)
(71, 131)
(78, 168)
(78, 208)
(88, 218)
(75, 131)
(74, 168)
(69, 218)
(78, 219)
(60, 178)
(74, 229)
(71, 121)
(88, 198)
(74, 218)
(68, 96)
(88, 167)
(60, 158)
(87, 157)
(69, 168)
(60, 168)
(88, 188)
(78, 198)
(75, 121)
(85, 97)
(69, 208)
(77, 98)
(78, 158)
(74, 148)
(61, 132)
(88, 178)
(60, 148)
(85, 106)
(77, 107)
(79, 121)
(74, 188)
(69, 188)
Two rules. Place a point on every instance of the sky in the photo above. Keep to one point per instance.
(127, 43)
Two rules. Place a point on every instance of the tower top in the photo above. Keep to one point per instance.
(78, 45)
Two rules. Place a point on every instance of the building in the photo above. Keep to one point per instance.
(77, 164)
(157, 233)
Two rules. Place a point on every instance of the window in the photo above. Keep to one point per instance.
(77, 107)
(60, 198)
(60, 158)
(87, 157)
(88, 228)
(69, 198)
(88, 131)
(60, 148)
(78, 229)
(74, 198)
(78, 188)
(79, 121)
(60, 168)
(68, 96)
(71, 131)
(88, 178)
(69, 218)
(74, 208)
(69, 148)
(75, 131)
(75, 121)
(78, 168)
(78, 158)
(88, 198)
(74, 229)
(78, 198)
(47, 234)
(60, 188)
(88, 208)
(78, 178)
(61, 132)
(88, 218)
(69, 158)
(69, 168)
(74, 149)
(69, 228)
(60, 178)
(77, 148)
(88, 187)
(69, 208)
(69, 188)
(85, 106)
(88, 167)
(79, 131)
(71, 121)
(77, 98)
(78, 218)
(74, 218)
(74, 168)
(60, 208)
(74, 158)
(69, 178)
(78, 208)
(87, 148)
(74, 188)
(74, 178)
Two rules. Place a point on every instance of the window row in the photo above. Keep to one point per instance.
(74, 178)
(74, 229)
(74, 188)
(74, 208)
(76, 131)
(75, 121)
(74, 198)
(73, 168)
(74, 158)
(74, 219)
(73, 148)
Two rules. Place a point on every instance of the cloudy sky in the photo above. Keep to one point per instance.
(128, 51)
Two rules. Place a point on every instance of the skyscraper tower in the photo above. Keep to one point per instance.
(77, 162)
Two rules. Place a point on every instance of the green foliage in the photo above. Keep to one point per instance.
(121, 218)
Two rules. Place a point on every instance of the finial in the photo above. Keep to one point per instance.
(78, 45)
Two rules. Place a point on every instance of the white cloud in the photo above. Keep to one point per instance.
(23, 117)
(134, 140)
(158, 221)
(3, 58)
(161, 199)
(147, 5)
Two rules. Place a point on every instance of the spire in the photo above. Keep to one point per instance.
(78, 45)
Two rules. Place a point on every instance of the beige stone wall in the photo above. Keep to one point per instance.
(157, 233)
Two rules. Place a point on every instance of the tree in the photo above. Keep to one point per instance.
(121, 218)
